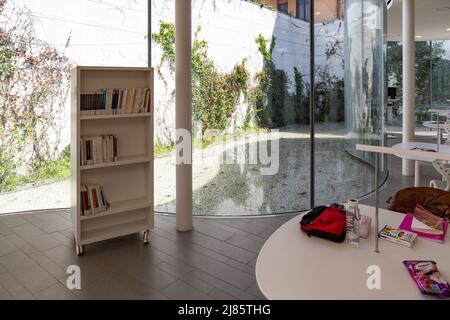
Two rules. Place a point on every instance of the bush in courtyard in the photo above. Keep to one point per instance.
(34, 82)
(215, 94)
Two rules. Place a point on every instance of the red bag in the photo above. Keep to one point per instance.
(325, 222)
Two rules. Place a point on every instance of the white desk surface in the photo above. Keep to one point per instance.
(433, 125)
(293, 266)
(432, 146)
(439, 111)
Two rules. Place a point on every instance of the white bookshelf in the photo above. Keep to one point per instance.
(127, 182)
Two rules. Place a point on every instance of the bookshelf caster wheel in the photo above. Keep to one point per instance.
(146, 235)
(80, 250)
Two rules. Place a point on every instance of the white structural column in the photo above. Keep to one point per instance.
(409, 79)
(183, 122)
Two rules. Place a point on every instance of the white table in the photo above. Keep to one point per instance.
(419, 160)
(293, 266)
(437, 125)
(440, 127)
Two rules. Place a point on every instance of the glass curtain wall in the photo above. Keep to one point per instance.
(250, 107)
(41, 41)
(251, 94)
(350, 99)
(432, 81)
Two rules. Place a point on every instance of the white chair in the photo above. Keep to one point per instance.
(443, 167)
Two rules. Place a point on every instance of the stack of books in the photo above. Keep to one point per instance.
(425, 224)
(98, 149)
(398, 235)
(115, 101)
(93, 199)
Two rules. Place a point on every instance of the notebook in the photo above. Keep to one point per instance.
(406, 225)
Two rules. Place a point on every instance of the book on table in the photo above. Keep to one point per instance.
(425, 221)
(407, 226)
(398, 235)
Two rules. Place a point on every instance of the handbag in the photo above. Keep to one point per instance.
(325, 222)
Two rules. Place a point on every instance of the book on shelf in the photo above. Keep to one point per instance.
(98, 149)
(397, 235)
(92, 199)
(115, 101)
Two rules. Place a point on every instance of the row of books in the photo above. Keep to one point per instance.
(115, 101)
(93, 199)
(98, 149)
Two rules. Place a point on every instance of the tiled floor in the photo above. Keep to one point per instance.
(215, 261)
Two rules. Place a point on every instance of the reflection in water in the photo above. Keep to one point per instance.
(240, 189)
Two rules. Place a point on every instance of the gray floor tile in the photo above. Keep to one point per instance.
(243, 267)
(220, 270)
(55, 292)
(183, 242)
(254, 290)
(221, 295)
(27, 230)
(245, 243)
(90, 270)
(62, 239)
(14, 287)
(28, 272)
(221, 247)
(108, 289)
(21, 244)
(6, 246)
(42, 242)
(13, 220)
(224, 286)
(144, 273)
(5, 296)
(49, 266)
(139, 286)
(4, 229)
(182, 291)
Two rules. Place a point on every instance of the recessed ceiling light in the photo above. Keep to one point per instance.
(419, 36)
(317, 13)
(448, 29)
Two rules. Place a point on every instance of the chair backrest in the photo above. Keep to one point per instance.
(440, 165)
(443, 167)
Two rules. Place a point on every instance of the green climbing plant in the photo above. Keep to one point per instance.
(269, 97)
(215, 94)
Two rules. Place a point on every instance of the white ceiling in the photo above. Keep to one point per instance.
(432, 20)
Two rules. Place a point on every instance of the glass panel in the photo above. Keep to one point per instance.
(41, 42)
(249, 89)
(432, 83)
(250, 108)
(350, 51)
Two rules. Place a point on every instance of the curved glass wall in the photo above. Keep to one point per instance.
(365, 74)
(40, 42)
(251, 92)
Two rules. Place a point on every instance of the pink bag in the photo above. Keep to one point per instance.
(427, 277)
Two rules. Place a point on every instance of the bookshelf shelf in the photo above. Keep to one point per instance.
(114, 231)
(128, 182)
(122, 161)
(113, 116)
(120, 207)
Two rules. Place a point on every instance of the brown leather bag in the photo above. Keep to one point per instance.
(434, 200)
